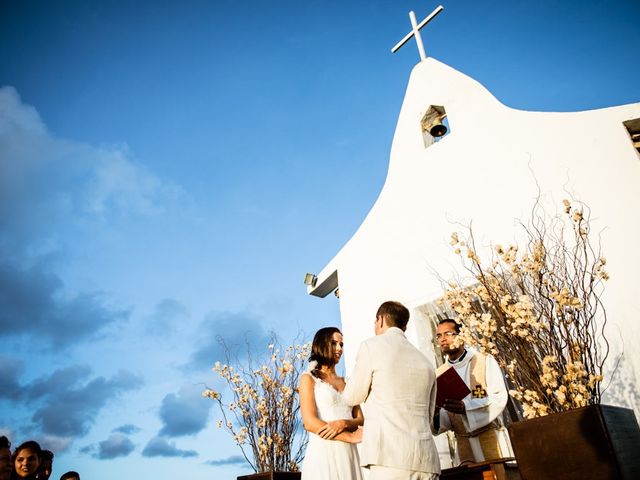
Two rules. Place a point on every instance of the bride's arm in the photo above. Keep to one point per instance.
(335, 430)
(351, 437)
(331, 429)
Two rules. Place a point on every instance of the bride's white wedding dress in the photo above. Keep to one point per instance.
(330, 459)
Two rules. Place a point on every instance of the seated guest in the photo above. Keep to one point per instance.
(26, 461)
(6, 467)
(70, 476)
(46, 465)
(476, 419)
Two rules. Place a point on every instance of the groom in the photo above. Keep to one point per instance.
(397, 382)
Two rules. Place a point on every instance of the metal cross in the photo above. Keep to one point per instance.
(415, 32)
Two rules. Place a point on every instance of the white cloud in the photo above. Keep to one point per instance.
(45, 180)
(166, 318)
(117, 445)
(56, 444)
(160, 447)
(184, 413)
(122, 185)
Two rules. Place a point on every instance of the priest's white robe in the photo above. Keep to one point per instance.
(480, 412)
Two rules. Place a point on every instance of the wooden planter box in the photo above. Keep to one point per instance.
(500, 469)
(272, 476)
(598, 442)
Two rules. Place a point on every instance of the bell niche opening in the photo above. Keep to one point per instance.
(434, 125)
(633, 129)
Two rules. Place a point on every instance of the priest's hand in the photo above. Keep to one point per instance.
(454, 406)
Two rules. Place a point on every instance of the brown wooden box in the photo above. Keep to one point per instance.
(500, 469)
(598, 442)
(272, 476)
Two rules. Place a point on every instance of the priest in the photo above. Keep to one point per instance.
(476, 420)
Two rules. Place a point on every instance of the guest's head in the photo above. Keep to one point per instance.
(46, 465)
(391, 314)
(326, 348)
(70, 476)
(26, 459)
(6, 466)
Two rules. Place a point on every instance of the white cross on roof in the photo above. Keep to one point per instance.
(415, 32)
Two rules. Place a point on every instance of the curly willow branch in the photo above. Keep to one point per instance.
(538, 310)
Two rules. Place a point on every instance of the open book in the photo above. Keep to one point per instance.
(450, 386)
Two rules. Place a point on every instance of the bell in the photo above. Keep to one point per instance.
(438, 129)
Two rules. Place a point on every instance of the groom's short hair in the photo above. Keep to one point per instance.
(395, 314)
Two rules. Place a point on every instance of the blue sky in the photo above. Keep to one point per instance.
(169, 170)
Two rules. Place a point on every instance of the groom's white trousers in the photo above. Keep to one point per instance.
(377, 472)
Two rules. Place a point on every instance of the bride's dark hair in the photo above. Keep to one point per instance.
(321, 350)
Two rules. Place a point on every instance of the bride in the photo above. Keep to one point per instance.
(331, 423)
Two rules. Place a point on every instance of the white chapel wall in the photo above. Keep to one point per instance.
(486, 171)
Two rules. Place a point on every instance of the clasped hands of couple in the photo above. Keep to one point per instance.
(334, 428)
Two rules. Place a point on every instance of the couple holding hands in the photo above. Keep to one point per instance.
(398, 384)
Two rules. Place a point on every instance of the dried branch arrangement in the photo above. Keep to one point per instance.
(263, 415)
(538, 310)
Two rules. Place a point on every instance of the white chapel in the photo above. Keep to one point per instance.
(488, 169)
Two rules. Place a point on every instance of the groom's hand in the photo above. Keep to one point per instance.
(454, 406)
(331, 429)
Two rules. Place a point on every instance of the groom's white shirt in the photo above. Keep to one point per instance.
(396, 383)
